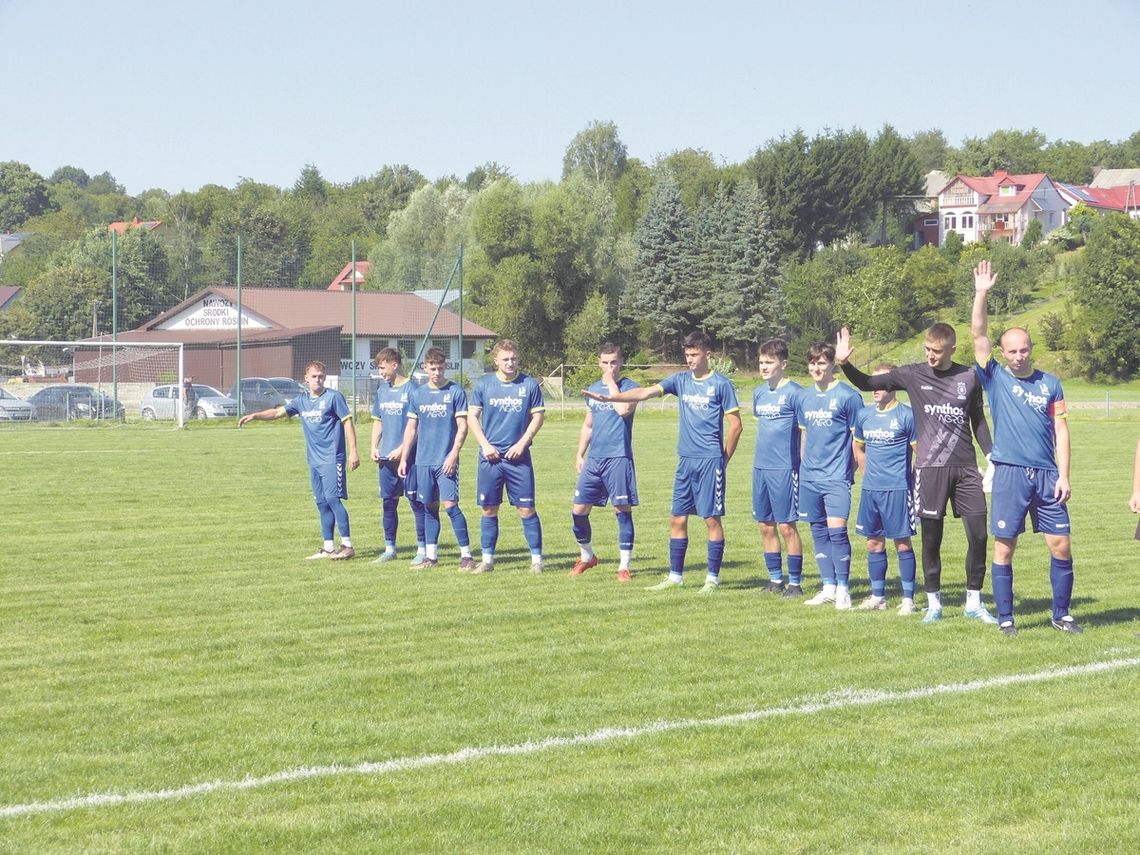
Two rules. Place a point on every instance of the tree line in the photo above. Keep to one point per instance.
(808, 233)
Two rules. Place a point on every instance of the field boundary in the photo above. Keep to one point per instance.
(832, 700)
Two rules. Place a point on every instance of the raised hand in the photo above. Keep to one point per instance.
(984, 277)
(843, 348)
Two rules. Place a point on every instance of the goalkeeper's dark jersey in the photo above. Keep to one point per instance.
(946, 404)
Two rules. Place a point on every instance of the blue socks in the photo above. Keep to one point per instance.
(678, 546)
(459, 525)
(840, 554)
(327, 520)
(775, 568)
(391, 521)
(1001, 582)
(1061, 578)
(795, 569)
(877, 570)
(340, 514)
(532, 531)
(580, 525)
(716, 556)
(821, 539)
(907, 569)
(488, 533)
(431, 525)
(625, 529)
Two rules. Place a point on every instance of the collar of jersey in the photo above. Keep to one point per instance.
(403, 380)
(705, 377)
(834, 382)
(888, 407)
(783, 380)
(499, 374)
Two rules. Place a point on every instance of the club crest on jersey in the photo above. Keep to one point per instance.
(961, 391)
(1044, 388)
(894, 424)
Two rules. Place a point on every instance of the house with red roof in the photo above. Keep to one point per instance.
(155, 227)
(999, 206)
(1125, 200)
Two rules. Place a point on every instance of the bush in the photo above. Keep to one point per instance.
(1052, 327)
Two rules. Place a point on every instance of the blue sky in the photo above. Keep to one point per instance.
(177, 95)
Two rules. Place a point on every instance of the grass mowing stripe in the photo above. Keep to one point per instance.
(836, 699)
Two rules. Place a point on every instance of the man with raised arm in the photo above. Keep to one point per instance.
(330, 443)
(946, 398)
(505, 413)
(607, 473)
(1031, 457)
(706, 400)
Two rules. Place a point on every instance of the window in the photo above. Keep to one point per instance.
(1051, 215)
(967, 220)
(929, 223)
(408, 347)
(443, 344)
(950, 221)
(469, 345)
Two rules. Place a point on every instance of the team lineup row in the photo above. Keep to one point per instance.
(916, 459)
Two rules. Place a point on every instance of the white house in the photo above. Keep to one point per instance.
(999, 206)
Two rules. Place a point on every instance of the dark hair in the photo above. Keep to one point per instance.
(609, 347)
(942, 332)
(434, 356)
(776, 348)
(388, 354)
(821, 349)
(697, 339)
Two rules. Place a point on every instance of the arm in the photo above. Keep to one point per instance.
(350, 438)
(641, 393)
(732, 437)
(622, 409)
(868, 382)
(584, 437)
(405, 449)
(533, 426)
(451, 462)
(263, 416)
(979, 424)
(984, 279)
(860, 454)
(1135, 504)
(474, 424)
(377, 431)
(1064, 456)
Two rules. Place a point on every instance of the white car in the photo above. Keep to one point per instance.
(162, 402)
(13, 409)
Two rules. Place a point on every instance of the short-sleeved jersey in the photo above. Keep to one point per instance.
(703, 404)
(827, 419)
(611, 435)
(435, 411)
(390, 408)
(887, 437)
(945, 403)
(777, 434)
(1023, 409)
(505, 407)
(322, 421)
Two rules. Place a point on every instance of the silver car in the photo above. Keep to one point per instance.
(13, 409)
(162, 402)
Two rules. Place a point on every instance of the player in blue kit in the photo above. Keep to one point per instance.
(776, 469)
(607, 474)
(1031, 457)
(706, 402)
(885, 438)
(505, 412)
(330, 443)
(436, 430)
(389, 419)
(826, 413)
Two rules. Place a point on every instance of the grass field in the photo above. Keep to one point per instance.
(175, 677)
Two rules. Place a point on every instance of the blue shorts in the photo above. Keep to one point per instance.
(1020, 489)
(606, 479)
(516, 475)
(392, 486)
(433, 485)
(885, 513)
(822, 499)
(698, 487)
(775, 495)
(328, 482)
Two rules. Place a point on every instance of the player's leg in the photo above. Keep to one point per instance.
(765, 518)
(795, 550)
(391, 487)
(620, 482)
(428, 497)
(411, 491)
(813, 512)
(682, 505)
(1012, 497)
(324, 512)
(904, 549)
(623, 514)
(587, 491)
(968, 499)
(335, 484)
(931, 493)
(837, 506)
(489, 487)
(710, 486)
(447, 487)
(1051, 517)
(869, 523)
(520, 492)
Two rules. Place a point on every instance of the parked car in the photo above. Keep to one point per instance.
(13, 409)
(72, 401)
(162, 402)
(257, 393)
(288, 387)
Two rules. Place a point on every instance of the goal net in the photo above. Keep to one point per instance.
(54, 382)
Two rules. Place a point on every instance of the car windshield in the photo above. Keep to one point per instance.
(6, 395)
(207, 391)
(286, 386)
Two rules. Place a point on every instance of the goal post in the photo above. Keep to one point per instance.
(93, 379)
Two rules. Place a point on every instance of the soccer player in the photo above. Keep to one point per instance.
(825, 412)
(607, 474)
(776, 469)
(946, 398)
(389, 419)
(884, 442)
(1031, 458)
(707, 400)
(433, 438)
(330, 442)
(505, 412)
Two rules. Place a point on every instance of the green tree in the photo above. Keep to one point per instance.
(930, 277)
(631, 195)
(696, 174)
(311, 185)
(423, 238)
(784, 174)
(597, 152)
(892, 172)
(23, 195)
(74, 174)
(873, 300)
(929, 149)
(1108, 291)
(1032, 235)
(1017, 152)
(484, 175)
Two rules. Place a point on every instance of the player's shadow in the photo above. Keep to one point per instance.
(1084, 610)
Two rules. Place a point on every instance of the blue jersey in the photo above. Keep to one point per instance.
(1023, 410)
(611, 434)
(505, 407)
(390, 407)
(777, 436)
(702, 403)
(827, 419)
(888, 436)
(435, 411)
(322, 421)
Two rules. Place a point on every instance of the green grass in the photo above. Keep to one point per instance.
(159, 628)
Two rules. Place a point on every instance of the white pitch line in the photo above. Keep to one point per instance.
(834, 700)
